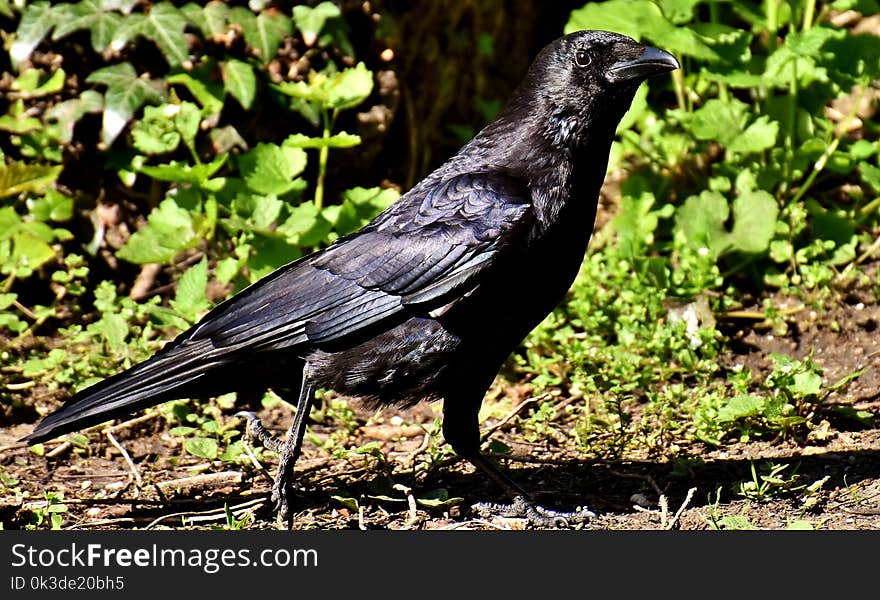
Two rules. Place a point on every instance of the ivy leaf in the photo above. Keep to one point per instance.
(169, 230)
(37, 21)
(164, 25)
(19, 177)
(240, 81)
(212, 19)
(310, 21)
(91, 15)
(270, 169)
(265, 32)
(66, 114)
(126, 93)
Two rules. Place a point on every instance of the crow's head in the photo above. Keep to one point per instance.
(588, 79)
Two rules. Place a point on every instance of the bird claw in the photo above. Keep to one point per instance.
(282, 492)
(256, 431)
(538, 516)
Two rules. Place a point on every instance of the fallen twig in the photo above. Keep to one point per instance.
(125, 456)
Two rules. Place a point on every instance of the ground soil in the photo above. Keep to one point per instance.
(637, 491)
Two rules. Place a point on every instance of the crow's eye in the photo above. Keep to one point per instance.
(582, 58)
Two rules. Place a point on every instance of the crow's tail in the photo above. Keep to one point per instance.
(165, 376)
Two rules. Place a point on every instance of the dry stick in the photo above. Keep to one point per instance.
(678, 513)
(259, 466)
(411, 502)
(664, 510)
(101, 523)
(221, 511)
(20, 386)
(137, 477)
(205, 480)
(16, 446)
(59, 449)
(517, 409)
(133, 422)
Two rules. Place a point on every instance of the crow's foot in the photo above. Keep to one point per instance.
(538, 516)
(282, 486)
(256, 431)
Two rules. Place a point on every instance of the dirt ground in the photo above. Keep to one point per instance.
(832, 478)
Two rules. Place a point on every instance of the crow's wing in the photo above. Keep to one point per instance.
(420, 252)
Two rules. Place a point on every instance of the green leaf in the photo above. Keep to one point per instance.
(6, 300)
(169, 230)
(37, 21)
(212, 19)
(719, 120)
(240, 81)
(156, 132)
(759, 136)
(265, 32)
(635, 224)
(54, 206)
(679, 11)
(211, 104)
(126, 93)
(310, 21)
(350, 87)
(190, 298)
(19, 177)
(12, 323)
(202, 447)
(701, 220)
(93, 16)
(339, 140)
(438, 498)
(738, 407)
(642, 20)
(807, 383)
(754, 222)
(305, 226)
(164, 25)
(271, 169)
(182, 172)
(31, 83)
(30, 251)
(66, 114)
(113, 328)
(17, 121)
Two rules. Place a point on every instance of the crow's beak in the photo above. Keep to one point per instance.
(652, 61)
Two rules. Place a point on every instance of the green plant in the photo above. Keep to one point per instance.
(52, 514)
(747, 157)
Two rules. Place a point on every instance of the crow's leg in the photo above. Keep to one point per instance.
(461, 430)
(288, 450)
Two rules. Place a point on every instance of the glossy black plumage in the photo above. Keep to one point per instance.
(428, 300)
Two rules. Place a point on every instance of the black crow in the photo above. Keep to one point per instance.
(428, 300)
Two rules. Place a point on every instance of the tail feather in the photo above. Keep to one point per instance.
(161, 378)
